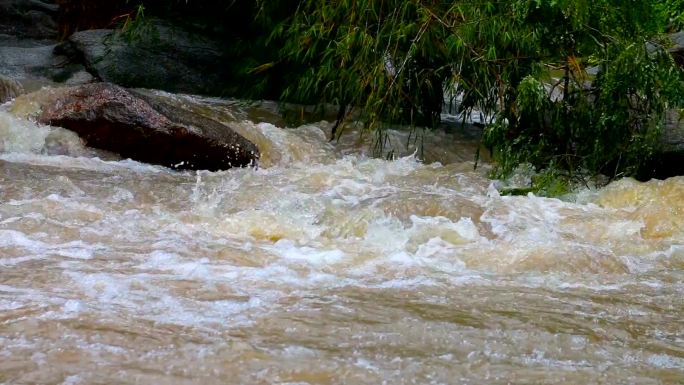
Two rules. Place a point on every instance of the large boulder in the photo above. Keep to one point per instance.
(36, 66)
(28, 19)
(28, 38)
(163, 56)
(111, 118)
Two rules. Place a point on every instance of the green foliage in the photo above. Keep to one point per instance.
(550, 182)
(607, 125)
(135, 27)
(380, 56)
(521, 62)
(671, 13)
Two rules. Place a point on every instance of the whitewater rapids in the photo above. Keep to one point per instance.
(326, 266)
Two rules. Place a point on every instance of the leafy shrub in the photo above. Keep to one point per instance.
(522, 62)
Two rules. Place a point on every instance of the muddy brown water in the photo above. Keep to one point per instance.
(326, 266)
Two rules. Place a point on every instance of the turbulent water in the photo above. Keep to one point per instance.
(326, 266)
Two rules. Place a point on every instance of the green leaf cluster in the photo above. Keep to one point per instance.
(523, 63)
(379, 56)
(671, 13)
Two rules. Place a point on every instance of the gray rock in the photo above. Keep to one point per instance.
(677, 41)
(677, 48)
(668, 161)
(9, 89)
(20, 62)
(80, 77)
(673, 132)
(35, 65)
(28, 18)
(114, 119)
(164, 57)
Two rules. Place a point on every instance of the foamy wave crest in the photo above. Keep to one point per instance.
(25, 137)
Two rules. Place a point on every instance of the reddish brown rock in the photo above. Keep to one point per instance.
(111, 118)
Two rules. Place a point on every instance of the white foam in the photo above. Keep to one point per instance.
(83, 163)
(21, 136)
(387, 234)
(75, 249)
(26, 137)
(13, 238)
(72, 306)
(73, 380)
(288, 250)
(463, 231)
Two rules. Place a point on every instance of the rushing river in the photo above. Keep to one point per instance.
(327, 266)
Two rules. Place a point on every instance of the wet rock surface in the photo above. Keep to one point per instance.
(111, 118)
(32, 19)
(28, 38)
(673, 135)
(677, 49)
(669, 160)
(165, 57)
(35, 66)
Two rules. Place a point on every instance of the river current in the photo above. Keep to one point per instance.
(326, 266)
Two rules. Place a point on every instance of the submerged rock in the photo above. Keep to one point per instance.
(111, 118)
(9, 89)
(165, 57)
